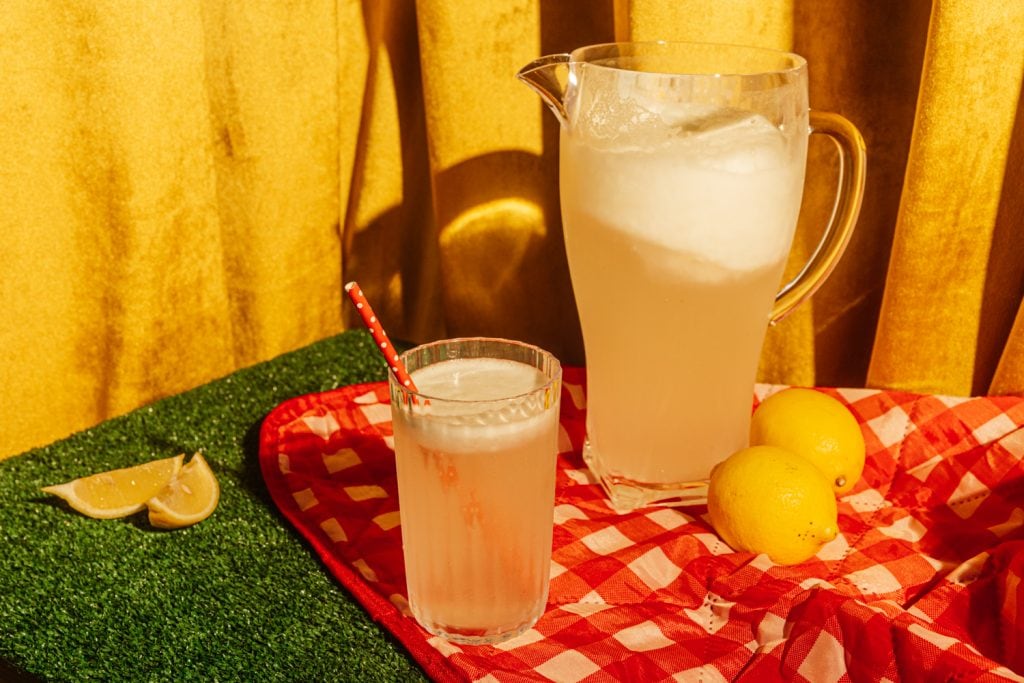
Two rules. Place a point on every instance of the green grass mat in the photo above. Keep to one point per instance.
(237, 597)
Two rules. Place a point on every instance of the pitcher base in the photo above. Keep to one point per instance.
(626, 494)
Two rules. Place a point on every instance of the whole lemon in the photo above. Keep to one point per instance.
(816, 426)
(765, 499)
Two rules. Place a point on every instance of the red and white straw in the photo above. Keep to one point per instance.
(380, 337)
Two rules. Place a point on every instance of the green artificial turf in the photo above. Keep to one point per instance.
(237, 597)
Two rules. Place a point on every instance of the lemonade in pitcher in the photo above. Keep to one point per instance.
(676, 251)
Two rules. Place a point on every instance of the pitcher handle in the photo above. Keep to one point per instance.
(852, 171)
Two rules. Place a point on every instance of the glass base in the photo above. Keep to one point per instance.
(470, 638)
(625, 494)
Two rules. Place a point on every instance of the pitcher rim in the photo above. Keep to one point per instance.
(799, 63)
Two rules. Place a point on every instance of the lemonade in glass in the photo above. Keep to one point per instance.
(475, 447)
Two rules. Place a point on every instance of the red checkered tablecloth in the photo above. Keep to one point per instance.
(923, 582)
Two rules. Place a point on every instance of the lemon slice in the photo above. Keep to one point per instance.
(189, 497)
(117, 493)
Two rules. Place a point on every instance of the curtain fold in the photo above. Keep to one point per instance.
(493, 167)
(872, 81)
(389, 235)
(185, 187)
(928, 331)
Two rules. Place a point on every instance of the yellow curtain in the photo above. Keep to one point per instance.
(185, 186)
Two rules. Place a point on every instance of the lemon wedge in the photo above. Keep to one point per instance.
(189, 497)
(117, 493)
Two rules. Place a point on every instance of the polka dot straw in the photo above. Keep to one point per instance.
(380, 337)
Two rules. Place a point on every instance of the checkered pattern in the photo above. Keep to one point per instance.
(924, 581)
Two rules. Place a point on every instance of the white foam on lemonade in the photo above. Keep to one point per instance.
(708, 191)
(477, 379)
(459, 421)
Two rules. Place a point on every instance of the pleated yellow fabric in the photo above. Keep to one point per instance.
(185, 187)
(928, 331)
(764, 23)
(389, 236)
(873, 81)
(168, 200)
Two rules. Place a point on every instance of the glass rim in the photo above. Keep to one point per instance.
(552, 376)
(654, 47)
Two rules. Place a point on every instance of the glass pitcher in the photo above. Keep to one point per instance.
(681, 177)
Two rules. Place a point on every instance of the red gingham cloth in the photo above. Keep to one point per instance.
(923, 582)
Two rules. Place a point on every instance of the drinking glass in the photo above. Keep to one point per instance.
(475, 446)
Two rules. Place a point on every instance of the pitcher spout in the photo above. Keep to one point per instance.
(549, 78)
